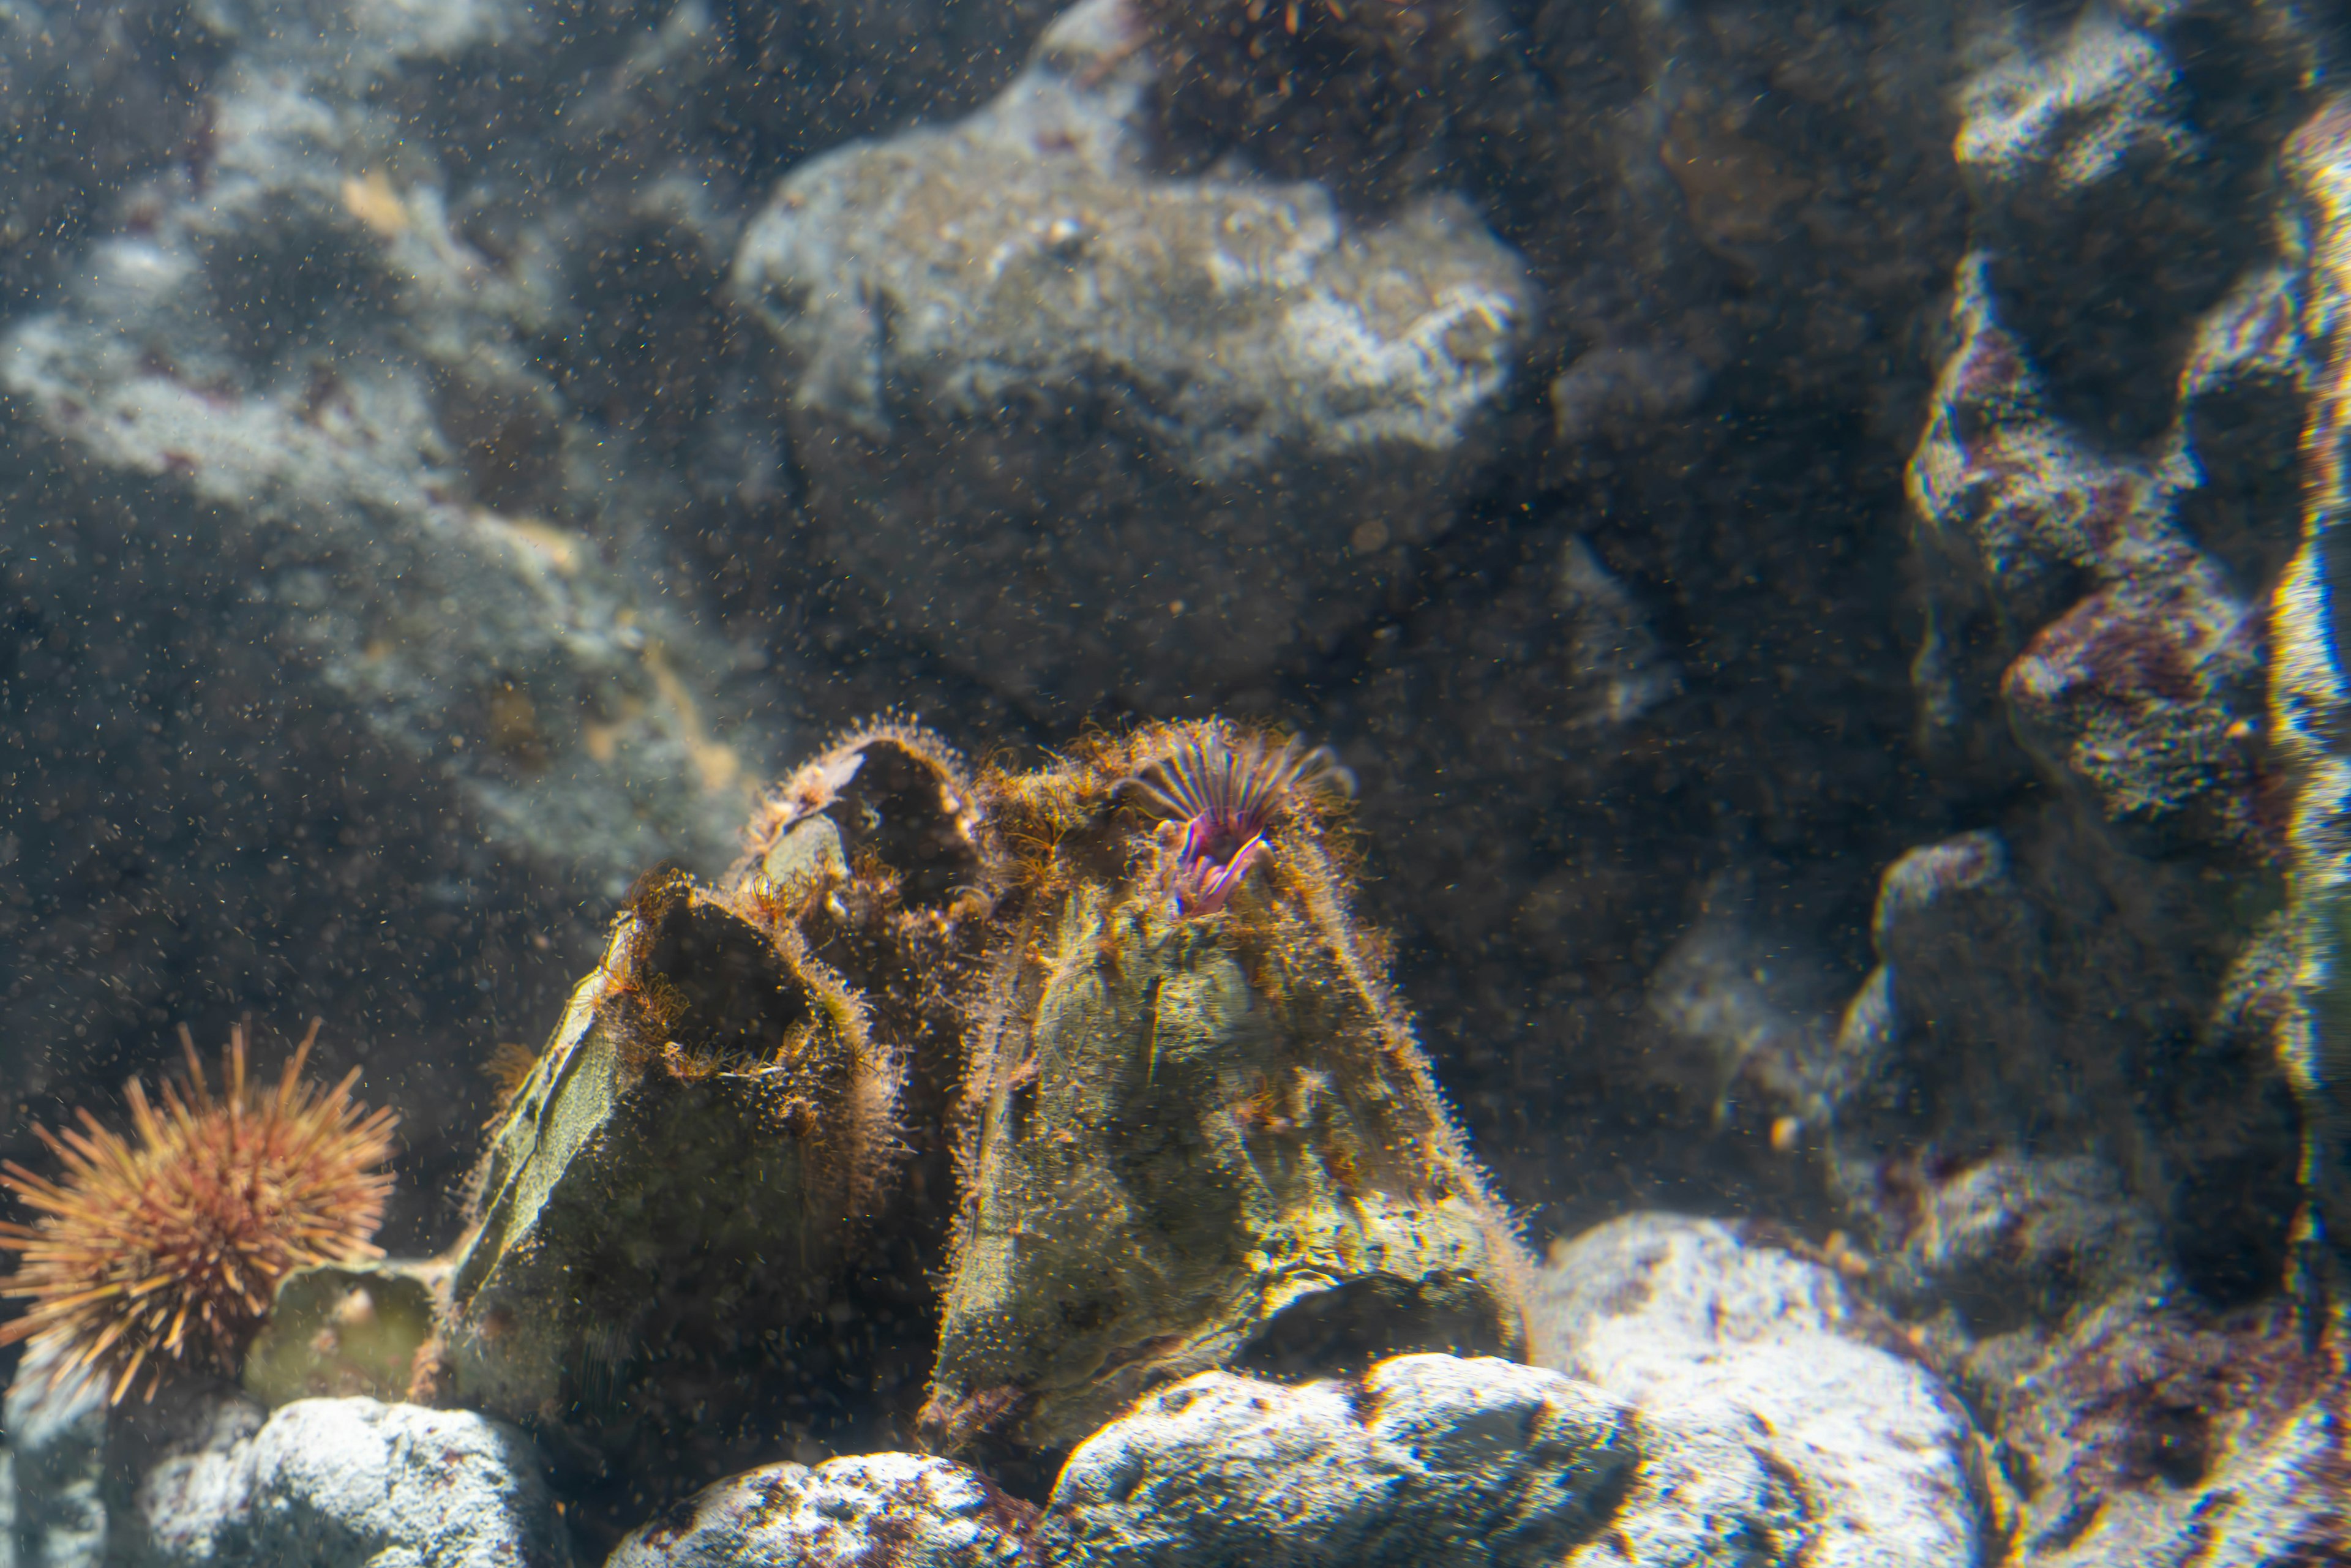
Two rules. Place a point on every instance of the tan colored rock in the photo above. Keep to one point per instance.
(1196, 1139)
(703, 1135)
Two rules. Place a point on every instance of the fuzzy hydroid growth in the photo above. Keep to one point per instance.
(168, 1251)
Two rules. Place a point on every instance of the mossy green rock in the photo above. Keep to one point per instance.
(338, 1330)
(680, 1172)
(1204, 1142)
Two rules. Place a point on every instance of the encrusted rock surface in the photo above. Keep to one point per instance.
(56, 1451)
(346, 1483)
(2150, 1432)
(1775, 1382)
(1193, 1140)
(1017, 364)
(676, 1181)
(388, 680)
(341, 1331)
(1426, 1459)
(205, 1476)
(2310, 690)
(912, 1509)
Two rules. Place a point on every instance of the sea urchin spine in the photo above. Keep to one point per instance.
(169, 1251)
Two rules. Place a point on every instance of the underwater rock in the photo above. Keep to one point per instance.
(344, 1483)
(906, 1508)
(2113, 158)
(2310, 701)
(201, 1475)
(335, 1331)
(2072, 1124)
(1758, 1364)
(2150, 1432)
(713, 1214)
(1986, 1071)
(1199, 1131)
(1425, 1459)
(508, 651)
(2105, 1318)
(57, 1450)
(1096, 1053)
(97, 98)
(2125, 658)
(77, 1462)
(402, 675)
(1064, 414)
(1745, 1005)
(709, 1123)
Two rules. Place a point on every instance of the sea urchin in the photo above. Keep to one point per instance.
(168, 1251)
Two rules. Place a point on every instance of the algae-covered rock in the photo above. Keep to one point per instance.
(712, 1215)
(1014, 354)
(692, 1151)
(1427, 1461)
(338, 1330)
(907, 1509)
(1083, 1080)
(1201, 1133)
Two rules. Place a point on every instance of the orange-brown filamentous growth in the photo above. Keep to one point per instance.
(166, 1253)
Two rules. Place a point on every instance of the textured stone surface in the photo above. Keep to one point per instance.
(382, 681)
(912, 1509)
(2149, 1432)
(2310, 691)
(93, 98)
(350, 353)
(205, 1476)
(676, 1181)
(1761, 1367)
(336, 1330)
(346, 1483)
(1018, 364)
(1193, 1140)
(1427, 1459)
(2138, 672)
(57, 1452)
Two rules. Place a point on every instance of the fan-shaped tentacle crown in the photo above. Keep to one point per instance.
(1220, 794)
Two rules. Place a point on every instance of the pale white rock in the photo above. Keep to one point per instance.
(1428, 1460)
(913, 1509)
(1091, 430)
(355, 1483)
(1766, 1415)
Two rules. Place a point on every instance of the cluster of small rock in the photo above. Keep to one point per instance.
(1715, 1397)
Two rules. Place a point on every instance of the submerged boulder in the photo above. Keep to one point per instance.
(1090, 1097)
(692, 1154)
(1200, 1133)
(1059, 408)
(343, 1483)
(1767, 1392)
(1426, 1459)
(906, 1509)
